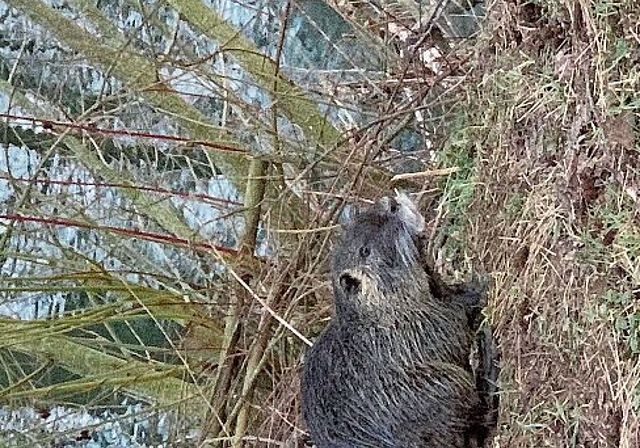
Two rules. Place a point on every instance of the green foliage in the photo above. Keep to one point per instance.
(458, 188)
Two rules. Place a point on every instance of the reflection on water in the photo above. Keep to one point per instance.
(62, 427)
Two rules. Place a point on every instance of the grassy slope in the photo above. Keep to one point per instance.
(555, 217)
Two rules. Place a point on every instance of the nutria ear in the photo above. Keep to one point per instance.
(409, 212)
(348, 215)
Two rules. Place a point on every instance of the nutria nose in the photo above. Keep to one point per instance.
(349, 284)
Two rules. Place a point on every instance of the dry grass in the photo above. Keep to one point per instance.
(555, 218)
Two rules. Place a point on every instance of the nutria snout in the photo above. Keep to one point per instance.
(349, 284)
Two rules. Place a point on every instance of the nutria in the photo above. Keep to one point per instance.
(392, 368)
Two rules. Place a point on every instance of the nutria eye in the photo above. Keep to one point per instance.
(365, 251)
(393, 206)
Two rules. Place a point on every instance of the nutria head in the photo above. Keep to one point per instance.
(378, 251)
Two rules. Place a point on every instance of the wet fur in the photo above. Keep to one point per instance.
(392, 368)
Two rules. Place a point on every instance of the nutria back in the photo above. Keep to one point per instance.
(392, 368)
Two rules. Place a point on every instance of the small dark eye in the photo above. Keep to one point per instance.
(393, 206)
(365, 251)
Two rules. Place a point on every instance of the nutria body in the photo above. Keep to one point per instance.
(392, 368)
